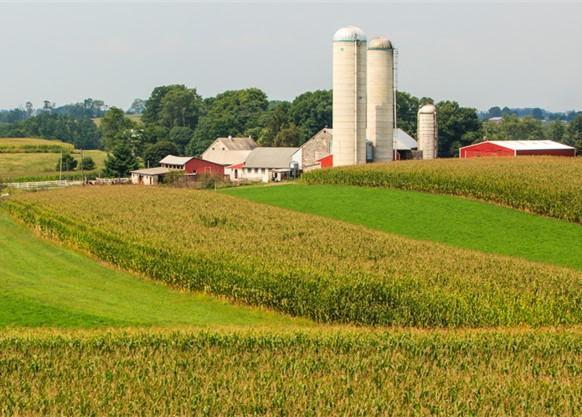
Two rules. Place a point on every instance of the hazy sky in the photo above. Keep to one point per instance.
(515, 54)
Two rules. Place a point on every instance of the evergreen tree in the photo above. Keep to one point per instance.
(120, 161)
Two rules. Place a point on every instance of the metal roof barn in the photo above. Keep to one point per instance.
(516, 148)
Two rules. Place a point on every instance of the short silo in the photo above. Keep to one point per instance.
(427, 135)
(380, 92)
(349, 96)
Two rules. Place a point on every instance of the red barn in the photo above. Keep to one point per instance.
(516, 148)
(192, 165)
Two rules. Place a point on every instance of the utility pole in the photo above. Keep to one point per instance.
(61, 168)
(82, 173)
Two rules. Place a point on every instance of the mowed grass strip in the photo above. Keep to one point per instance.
(452, 220)
(44, 285)
(544, 185)
(305, 265)
(317, 373)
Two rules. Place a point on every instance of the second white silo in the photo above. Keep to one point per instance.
(427, 133)
(380, 92)
(349, 96)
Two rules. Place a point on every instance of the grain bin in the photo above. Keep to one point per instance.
(380, 90)
(427, 135)
(349, 96)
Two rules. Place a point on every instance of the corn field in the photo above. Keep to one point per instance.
(550, 186)
(318, 373)
(304, 265)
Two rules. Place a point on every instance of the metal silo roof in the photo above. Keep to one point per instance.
(349, 34)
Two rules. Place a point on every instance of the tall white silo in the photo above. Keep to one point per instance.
(349, 96)
(380, 92)
(427, 134)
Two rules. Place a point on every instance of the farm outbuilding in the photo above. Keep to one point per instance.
(516, 148)
(192, 165)
(149, 176)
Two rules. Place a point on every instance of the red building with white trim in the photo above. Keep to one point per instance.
(192, 165)
(516, 148)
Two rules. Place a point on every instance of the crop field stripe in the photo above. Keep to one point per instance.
(447, 219)
(300, 264)
(42, 284)
(544, 185)
(525, 373)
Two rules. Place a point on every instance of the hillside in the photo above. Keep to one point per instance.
(42, 284)
(440, 218)
(300, 264)
(544, 185)
(30, 159)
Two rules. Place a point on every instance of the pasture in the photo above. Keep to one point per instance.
(29, 159)
(447, 219)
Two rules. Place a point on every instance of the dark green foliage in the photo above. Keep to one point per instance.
(457, 126)
(181, 137)
(81, 132)
(180, 107)
(232, 113)
(407, 108)
(87, 164)
(120, 161)
(289, 136)
(113, 125)
(311, 112)
(153, 154)
(66, 162)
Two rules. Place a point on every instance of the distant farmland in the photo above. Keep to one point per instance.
(31, 159)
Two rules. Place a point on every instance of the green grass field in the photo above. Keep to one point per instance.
(452, 220)
(45, 285)
(30, 165)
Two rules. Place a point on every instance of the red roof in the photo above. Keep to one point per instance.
(237, 166)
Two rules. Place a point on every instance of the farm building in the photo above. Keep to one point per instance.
(314, 149)
(516, 148)
(149, 176)
(192, 165)
(229, 151)
(266, 164)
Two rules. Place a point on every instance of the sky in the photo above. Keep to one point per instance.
(512, 54)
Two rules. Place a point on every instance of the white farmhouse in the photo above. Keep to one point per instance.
(266, 164)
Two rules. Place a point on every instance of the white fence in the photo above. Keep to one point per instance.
(42, 185)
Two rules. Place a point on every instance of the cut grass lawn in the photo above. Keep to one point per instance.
(30, 165)
(452, 220)
(44, 285)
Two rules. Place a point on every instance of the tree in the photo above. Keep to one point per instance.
(457, 126)
(87, 164)
(311, 112)
(290, 136)
(181, 137)
(574, 137)
(137, 107)
(120, 161)
(153, 104)
(113, 124)
(66, 162)
(153, 154)
(271, 122)
(231, 113)
(555, 130)
(180, 107)
(407, 108)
